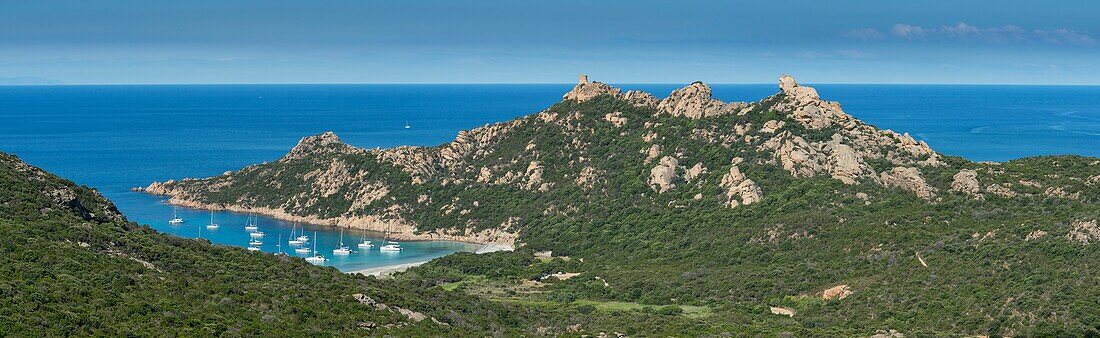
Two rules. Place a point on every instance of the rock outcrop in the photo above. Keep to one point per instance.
(966, 181)
(585, 90)
(661, 176)
(616, 119)
(837, 292)
(1084, 232)
(325, 143)
(805, 159)
(695, 101)
(909, 179)
(740, 190)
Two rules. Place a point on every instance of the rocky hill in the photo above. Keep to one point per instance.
(735, 206)
(325, 181)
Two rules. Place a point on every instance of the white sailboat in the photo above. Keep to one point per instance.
(175, 219)
(279, 245)
(390, 246)
(318, 259)
(212, 225)
(407, 126)
(251, 225)
(341, 250)
(294, 241)
(258, 234)
(365, 244)
(303, 238)
(254, 244)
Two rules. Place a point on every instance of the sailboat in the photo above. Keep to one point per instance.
(318, 259)
(303, 238)
(212, 225)
(175, 219)
(365, 244)
(279, 244)
(294, 241)
(254, 244)
(407, 126)
(341, 250)
(251, 224)
(302, 249)
(389, 246)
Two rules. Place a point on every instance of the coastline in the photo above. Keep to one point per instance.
(392, 269)
(397, 230)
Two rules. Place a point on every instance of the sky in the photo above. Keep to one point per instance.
(514, 41)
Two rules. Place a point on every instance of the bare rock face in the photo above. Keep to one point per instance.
(837, 292)
(534, 176)
(966, 181)
(794, 154)
(1035, 235)
(324, 143)
(616, 119)
(888, 334)
(790, 87)
(776, 310)
(588, 177)
(661, 176)
(585, 91)
(641, 99)
(771, 126)
(652, 152)
(845, 164)
(805, 159)
(1085, 232)
(1001, 190)
(807, 107)
(693, 172)
(695, 101)
(740, 190)
(908, 178)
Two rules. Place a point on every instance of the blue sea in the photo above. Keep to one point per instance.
(114, 138)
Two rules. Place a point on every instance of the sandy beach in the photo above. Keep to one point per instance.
(391, 269)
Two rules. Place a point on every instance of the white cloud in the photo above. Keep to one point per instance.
(997, 34)
(908, 31)
(1064, 36)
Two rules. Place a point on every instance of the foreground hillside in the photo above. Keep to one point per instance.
(783, 215)
(72, 265)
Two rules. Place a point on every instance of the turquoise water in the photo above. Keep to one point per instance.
(114, 138)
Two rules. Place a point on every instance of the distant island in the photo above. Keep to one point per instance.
(785, 215)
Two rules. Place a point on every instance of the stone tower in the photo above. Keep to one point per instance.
(583, 79)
